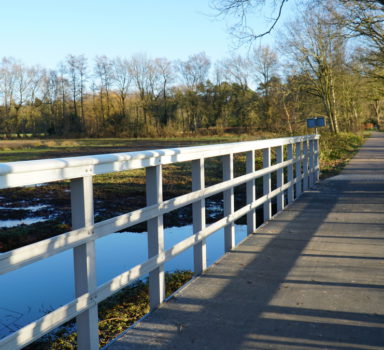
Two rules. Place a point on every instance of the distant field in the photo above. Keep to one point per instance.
(26, 149)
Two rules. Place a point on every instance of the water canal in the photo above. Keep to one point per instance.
(30, 292)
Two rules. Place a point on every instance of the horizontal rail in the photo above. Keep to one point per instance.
(49, 170)
(23, 256)
(83, 238)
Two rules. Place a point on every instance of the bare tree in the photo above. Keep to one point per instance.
(364, 19)
(35, 78)
(264, 62)
(316, 48)
(73, 78)
(194, 70)
(378, 107)
(21, 79)
(361, 17)
(139, 67)
(240, 11)
(166, 76)
(51, 96)
(104, 72)
(64, 86)
(123, 80)
(76, 70)
(7, 90)
(237, 70)
(194, 73)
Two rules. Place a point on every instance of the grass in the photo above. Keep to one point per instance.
(337, 150)
(116, 314)
(20, 150)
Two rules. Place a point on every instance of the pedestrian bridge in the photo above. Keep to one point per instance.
(311, 277)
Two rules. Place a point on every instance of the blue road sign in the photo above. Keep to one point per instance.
(317, 122)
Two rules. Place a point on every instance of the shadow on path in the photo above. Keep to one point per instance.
(311, 278)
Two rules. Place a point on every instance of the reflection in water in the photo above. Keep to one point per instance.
(31, 207)
(27, 221)
(34, 290)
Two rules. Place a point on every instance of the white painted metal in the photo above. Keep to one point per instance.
(229, 203)
(84, 262)
(48, 170)
(305, 166)
(198, 212)
(85, 232)
(311, 170)
(251, 192)
(279, 178)
(154, 190)
(267, 209)
(316, 154)
(23, 256)
(290, 172)
(298, 169)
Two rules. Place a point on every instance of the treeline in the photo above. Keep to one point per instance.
(315, 71)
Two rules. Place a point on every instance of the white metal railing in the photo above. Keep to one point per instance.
(301, 152)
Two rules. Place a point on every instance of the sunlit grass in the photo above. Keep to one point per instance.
(337, 150)
(116, 314)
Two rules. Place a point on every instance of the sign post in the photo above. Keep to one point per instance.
(315, 122)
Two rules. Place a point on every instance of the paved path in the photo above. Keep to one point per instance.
(312, 278)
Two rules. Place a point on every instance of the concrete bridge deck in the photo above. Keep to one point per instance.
(311, 278)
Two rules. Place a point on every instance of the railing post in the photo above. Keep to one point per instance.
(84, 262)
(279, 179)
(267, 184)
(251, 192)
(154, 194)
(305, 165)
(298, 169)
(198, 213)
(311, 164)
(290, 173)
(317, 171)
(229, 203)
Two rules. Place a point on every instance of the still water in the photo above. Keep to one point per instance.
(34, 290)
(26, 221)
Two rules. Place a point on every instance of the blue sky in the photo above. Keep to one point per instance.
(45, 31)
